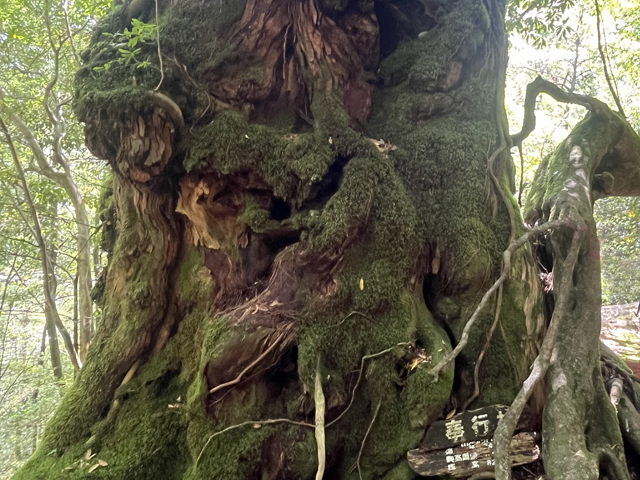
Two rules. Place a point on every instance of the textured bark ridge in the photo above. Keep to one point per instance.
(270, 254)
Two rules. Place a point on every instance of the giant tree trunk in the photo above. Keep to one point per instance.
(270, 255)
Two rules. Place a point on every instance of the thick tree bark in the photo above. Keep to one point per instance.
(278, 272)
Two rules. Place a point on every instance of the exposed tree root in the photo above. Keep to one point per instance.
(596, 160)
(629, 422)
(611, 463)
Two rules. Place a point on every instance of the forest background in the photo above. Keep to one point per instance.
(52, 201)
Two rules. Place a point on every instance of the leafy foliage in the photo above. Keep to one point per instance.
(539, 20)
(140, 33)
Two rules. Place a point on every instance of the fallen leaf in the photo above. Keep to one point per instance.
(102, 463)
(330, 141)
(362, 284)
(256, 425)
(94, 467)
(451, 414)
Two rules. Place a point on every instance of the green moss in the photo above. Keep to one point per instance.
(190, 40)
(289, 166)
(380, 217)
(194, 279)
(445, 133)
(191, 31)
(425, 63)
(145, 438)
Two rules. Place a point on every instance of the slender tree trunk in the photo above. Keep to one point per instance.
(53, 318)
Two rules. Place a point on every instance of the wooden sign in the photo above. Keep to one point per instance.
(464, 427)
(472, 457)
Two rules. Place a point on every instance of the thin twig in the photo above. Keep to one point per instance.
(251, 422)
(506, 426)
(521, 175)
(375, 415)
(237, 380)
(603, 57)
(159, 51)
(476, 370)
(353, 392)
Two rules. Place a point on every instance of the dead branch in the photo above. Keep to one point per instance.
(167, 104)
(616, 391)
(506, 426)
(506, 270)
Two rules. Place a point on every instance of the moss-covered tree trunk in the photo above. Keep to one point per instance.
(264, 241)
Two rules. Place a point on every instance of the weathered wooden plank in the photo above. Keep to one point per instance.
(472, 457)
(464, 427)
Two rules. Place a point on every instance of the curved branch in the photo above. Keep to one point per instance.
(540, 85)
(50, 301)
